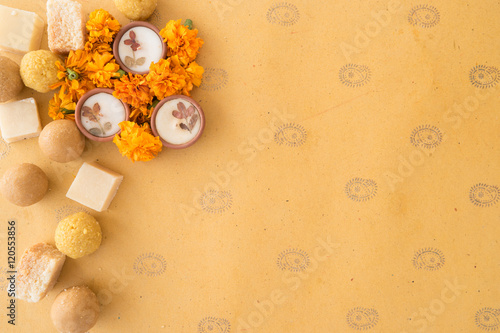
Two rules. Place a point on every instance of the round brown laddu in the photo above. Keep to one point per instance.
(61, 141)
(75, 310)
(24, 184)
(11, 83)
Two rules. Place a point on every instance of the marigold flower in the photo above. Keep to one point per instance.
(61, 106)
(141, 114)
(73, 75)
(102, 68)
(194, 75)
(102, 26)
(166, 77)
(133, 89)
(95, 45)
(181, 41)
(136, 142)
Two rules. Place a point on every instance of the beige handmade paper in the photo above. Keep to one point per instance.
(347, 178)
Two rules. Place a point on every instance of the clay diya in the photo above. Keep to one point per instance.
(178, 120)
(137, 45)
(98, 114)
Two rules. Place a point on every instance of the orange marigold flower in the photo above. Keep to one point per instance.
(166, 77)
(194, 75)
(136, 142)
(181, 41)
(102, 68)
(102, 26)
(61, 106)
(133, 89)
(141, 114)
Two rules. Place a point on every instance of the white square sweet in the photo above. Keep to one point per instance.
(94, 186)
(19, 120)
(22, 31)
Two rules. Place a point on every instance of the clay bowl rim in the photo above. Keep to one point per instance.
(190, 142)
(78, 115)
(119, 36)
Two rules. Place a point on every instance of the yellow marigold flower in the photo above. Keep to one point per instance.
(181, 41)
(194, 75)
(102, 68)
(136, 142)
(74, 89)
(133, 90)
(166, 78)
(61, 106)
(102, 26)
(95, 45)
(73, 75)
(77, 61)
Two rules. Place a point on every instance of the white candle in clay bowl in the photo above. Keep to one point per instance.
(98, 114)
(178, 120)
(138, 45)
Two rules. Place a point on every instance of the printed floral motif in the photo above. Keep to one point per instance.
(362, 318)
(425, 16)
(426, 136)
(214, 201)
(293, 260)
(360, 189)
(354, 75)
(429, 259)
(291, 134)
(214, 325)
(488, 319)
(150, 264)
(214, 79)
(484, 195)
(283, 13)
(484, 77)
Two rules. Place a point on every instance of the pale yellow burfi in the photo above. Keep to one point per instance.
(21, 31)
(94, 186)
(19, 120)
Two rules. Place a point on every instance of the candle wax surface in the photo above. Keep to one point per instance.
(169, 128)
(105, 122)
(149, 49)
